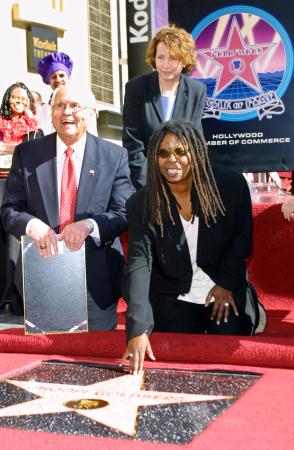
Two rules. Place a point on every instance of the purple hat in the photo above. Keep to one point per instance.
(52, 63)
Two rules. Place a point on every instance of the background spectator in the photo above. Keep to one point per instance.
(17, 115)
(165, 93)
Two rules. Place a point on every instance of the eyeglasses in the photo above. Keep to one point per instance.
(75, 107)
(178, 152)
(16, 98)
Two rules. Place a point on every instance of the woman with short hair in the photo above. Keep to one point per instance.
(161, 95)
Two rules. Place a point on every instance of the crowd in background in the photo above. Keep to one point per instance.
(23, 113)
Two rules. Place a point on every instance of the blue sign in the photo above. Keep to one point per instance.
(245, 58)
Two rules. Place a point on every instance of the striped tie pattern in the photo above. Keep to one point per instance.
(69, 189)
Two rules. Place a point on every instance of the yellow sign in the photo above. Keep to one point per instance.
(45, 45)
(40, 42)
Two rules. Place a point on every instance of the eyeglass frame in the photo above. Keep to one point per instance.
(57, 107)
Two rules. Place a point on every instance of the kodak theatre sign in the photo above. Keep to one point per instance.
(138, 34)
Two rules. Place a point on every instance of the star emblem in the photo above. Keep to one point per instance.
(113, 402)
(236, 60)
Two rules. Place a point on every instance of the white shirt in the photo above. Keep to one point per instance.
(201, 282)
(168, 104)
(44, 119)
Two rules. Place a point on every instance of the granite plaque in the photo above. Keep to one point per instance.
(158, 405)
(55, 293)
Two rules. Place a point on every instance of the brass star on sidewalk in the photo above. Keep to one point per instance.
(113, 403)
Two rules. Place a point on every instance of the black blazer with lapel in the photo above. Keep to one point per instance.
(161, 267)
(104, 187)
(142, 114)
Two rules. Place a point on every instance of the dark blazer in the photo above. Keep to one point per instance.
(104, 187)
(142, 114)
(161, 267)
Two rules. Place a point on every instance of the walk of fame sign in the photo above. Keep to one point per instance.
(245, 59)
(168, 406)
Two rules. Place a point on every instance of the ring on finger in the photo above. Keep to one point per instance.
(131, 355)
(227, 305)
(43, 246)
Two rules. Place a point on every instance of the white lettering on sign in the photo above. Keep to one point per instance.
(139, 34)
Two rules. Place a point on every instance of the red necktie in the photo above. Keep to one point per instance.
(69, 189)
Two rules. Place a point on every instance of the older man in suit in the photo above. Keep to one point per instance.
(73, 183)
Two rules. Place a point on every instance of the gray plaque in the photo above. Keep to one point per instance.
(55, 292)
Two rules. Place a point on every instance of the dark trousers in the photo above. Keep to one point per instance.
(177, 316)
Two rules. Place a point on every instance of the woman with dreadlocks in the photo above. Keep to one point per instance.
(17, 115)
(189, 234)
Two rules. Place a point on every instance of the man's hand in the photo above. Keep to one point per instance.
(74, 235)
(43, 236)
(135, 351)
(223, 302)
(288, 209)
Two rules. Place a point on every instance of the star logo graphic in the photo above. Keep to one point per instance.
(236, 60)
(113, 402)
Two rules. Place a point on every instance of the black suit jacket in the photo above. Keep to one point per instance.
(104, 187)
(161, 267)
(142, 114)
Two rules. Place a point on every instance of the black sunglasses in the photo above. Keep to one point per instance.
(164, 153)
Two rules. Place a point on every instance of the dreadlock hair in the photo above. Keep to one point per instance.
(5, 110)
(205, 198)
